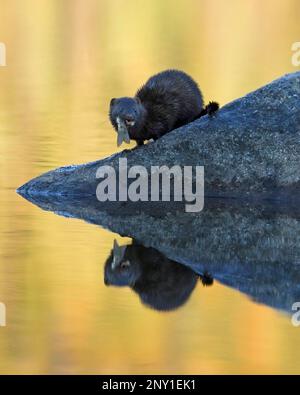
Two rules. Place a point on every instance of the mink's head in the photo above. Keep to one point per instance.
(129, 112)
(120, 269)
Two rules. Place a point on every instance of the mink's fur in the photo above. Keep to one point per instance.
(161, 283)
(167, 101)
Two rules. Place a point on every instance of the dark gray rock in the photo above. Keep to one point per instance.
(251, 147)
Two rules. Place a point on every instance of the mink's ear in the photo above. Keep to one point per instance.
(112, 102)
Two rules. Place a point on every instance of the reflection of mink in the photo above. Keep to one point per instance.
(161, 283)
(168, 100)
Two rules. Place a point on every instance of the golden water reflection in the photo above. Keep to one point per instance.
(65, 60)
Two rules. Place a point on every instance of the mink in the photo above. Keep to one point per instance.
(168, 100)
(160, 282)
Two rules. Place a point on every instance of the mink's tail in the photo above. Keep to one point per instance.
(210, 110)
(206, 279)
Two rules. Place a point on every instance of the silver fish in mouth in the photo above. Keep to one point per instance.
(123, 134)
(118, 254)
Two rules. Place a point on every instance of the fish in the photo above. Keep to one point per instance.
(123, 134)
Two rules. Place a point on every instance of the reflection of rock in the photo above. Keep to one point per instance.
(255, 249)
(251, 146)
(160, 283)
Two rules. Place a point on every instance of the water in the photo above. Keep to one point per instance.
(65, 61)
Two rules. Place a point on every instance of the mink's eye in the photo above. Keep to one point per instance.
(125, 265)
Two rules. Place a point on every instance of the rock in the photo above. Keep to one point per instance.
(252, 147)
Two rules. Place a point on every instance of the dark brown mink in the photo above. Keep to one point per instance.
(167, 101)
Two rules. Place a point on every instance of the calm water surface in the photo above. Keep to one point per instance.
(65, 61)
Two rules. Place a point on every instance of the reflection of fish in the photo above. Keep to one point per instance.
(122, 132)
(118, 254)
